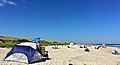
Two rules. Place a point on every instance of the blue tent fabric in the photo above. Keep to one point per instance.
(27, 50)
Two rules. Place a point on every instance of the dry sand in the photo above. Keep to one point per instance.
(74, 55)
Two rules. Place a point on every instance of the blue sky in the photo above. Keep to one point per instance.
(91, 21)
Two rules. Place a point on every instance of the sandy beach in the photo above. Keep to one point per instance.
(74, 55)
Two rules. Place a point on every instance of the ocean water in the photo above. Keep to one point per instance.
(114, 46)
(111, 45)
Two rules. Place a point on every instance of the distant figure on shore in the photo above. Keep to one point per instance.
(82, 46)
(87, 50)
(55, 47)
(68, 46)
(98, 46)
(70, 64)
(103, 46)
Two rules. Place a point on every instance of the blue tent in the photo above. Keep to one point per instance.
(23, 53)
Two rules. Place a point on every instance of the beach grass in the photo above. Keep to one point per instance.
(7, 45)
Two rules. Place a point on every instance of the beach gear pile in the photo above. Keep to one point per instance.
(87, 50)
(55, 47)
(82, 46)
(98, 46)
(115, 52)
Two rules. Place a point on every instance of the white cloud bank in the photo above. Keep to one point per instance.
(7, 2)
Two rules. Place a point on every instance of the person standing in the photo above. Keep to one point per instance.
(36, 41)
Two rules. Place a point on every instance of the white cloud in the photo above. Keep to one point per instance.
(7, 2)
(4, 1)
(12, 3)
(1, 4)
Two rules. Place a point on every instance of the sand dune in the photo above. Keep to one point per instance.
(74, 55)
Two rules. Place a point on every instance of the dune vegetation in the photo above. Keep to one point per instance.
(7, 41)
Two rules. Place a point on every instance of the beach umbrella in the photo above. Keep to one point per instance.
(36, 39)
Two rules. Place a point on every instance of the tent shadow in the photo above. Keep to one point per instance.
(43, 60)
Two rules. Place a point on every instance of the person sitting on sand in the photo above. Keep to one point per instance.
(87, 50)
(98, 46)
(82, 46)
(68, 46)
(55, 47)
(38, 46)
(36, 41)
